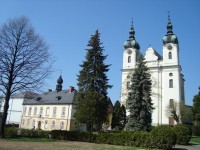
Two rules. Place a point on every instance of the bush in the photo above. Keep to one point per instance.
(119, 138)
(162, 137)
(11, 132)
(34, 133)
(196, 130)
(182, 134)
(73, 135)
(141, 139)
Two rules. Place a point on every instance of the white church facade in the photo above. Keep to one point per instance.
(165, 70)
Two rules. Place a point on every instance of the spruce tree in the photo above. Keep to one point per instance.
(196, 108)
(139, 98)
(92, 103)
(119, 116)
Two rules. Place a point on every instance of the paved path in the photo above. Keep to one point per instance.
(187, 147)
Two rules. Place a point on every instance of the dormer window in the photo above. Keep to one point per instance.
(58, 98)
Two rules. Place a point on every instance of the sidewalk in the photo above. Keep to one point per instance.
(192, 146)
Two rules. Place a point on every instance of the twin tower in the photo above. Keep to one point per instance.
(165, 70)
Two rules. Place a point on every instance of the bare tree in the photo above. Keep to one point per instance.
(178, 111)
(24, 61)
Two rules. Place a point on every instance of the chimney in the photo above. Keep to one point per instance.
(71, 89)
(50, 90)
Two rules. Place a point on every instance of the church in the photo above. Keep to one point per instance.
(165, 70)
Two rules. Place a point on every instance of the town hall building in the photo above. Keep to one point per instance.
(165, 70)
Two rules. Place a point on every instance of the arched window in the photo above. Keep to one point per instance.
(41, 111)
(128, 85)
(63, 111)
(35, 110)
(33, 124)
(54, 111)
(171, 83)
(129, 59)
(62, 125)
(53, 124)
(170, 55)
(46, 124)
(47, 111)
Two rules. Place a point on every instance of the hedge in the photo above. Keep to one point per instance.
(162, 137)
(182, 134)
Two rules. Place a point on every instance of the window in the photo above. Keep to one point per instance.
(170, 74)
(129, 59)
(25, 110)
(128, 85)
(41, 111)
(47, 111)
(170, 55)
(28, 122)
(46, 124)
(35, 110)
(171, 83)
(23, 122)
(54, 111)
(62, 125)
(29, 111)
(53, 124)
(33, 124)
(63, 111)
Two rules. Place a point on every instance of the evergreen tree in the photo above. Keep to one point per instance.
(92, 103)
(139, 98)
(196, 108)
(118, 119)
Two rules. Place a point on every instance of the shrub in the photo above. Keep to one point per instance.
(11, 132)
(73, 135)
(182, 134)
(140, 139)
(162, 137)
(196, 130)
(34, 133)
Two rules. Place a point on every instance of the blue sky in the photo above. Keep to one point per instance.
(66, 26)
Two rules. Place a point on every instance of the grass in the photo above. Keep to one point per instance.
(50, 144)
(25, 139)
(195, 140)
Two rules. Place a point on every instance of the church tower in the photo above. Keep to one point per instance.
(165, 70)
(130, 55)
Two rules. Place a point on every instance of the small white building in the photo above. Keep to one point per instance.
(166, 76)
(15, 108)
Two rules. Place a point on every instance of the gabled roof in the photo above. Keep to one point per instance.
(52, 98)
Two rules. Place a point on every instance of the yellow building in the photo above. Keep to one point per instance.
(52, 110)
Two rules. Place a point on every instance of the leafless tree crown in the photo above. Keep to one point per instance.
(24, 58)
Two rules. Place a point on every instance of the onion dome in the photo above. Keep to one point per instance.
(170, 37)
(131, 42)
(60, 80)
(59, 84)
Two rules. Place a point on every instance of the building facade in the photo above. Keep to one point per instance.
(15, 108)
(165, 70)
(52, 110)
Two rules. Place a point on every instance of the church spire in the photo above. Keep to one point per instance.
(132, 32)
(59, 84)
(131, 42)
(170, 37)
(169, 26)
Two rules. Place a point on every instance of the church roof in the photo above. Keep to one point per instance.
(52, 98)
(170, 37)
(131, 42)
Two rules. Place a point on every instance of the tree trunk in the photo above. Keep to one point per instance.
(3, 123)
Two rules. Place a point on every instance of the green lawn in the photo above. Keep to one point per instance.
(195, 140)
(24, 139)
(50, 144)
